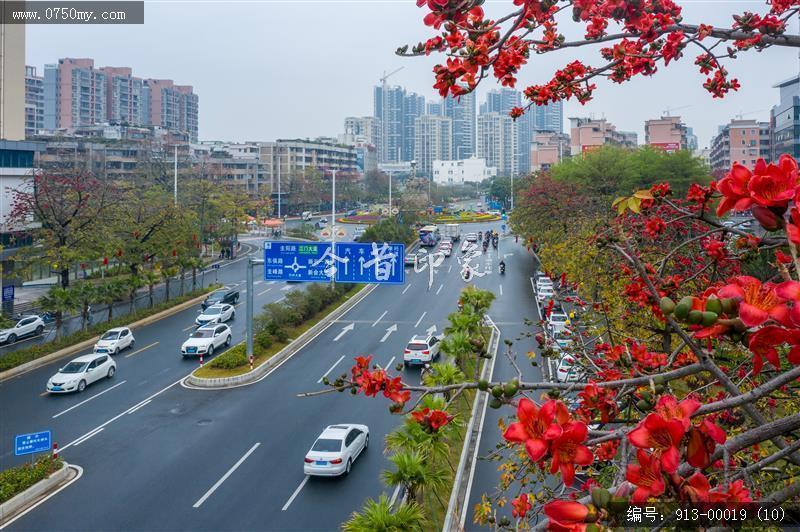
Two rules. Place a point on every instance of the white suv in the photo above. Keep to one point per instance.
(206, 339)
(421, 349)
(26, 326)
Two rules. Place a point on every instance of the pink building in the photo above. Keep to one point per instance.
(588, 134)
(667, 133)
(740, 141)
(548, 148)
(75, 94)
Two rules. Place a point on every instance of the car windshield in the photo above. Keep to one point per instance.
(213, 310)
(202, 334)
(417, 346)
(216, 296)
(558, 317)
(113, 335)
(324, 445)
(74, 367)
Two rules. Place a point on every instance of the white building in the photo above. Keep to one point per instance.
(433, 141)
(472, 170)
(497, 142)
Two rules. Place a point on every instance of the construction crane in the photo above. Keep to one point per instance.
(390, 74)
(668, 111)
(740, 115)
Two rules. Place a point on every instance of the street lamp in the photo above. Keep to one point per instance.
(333, 221)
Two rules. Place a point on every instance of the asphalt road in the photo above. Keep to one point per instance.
(158, 456)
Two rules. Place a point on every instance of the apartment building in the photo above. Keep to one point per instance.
(785, 120)
(497, 142)
(587, 134)
(34, 102)
(458, 172)
(667, 133)
(548, 148)
(433, 142)
(742, 141)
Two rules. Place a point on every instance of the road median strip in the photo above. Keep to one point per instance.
(25, 485)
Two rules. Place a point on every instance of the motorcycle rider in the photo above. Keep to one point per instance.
(502, 266)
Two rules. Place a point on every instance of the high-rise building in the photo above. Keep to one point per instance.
(462, 112)
(172, 106)
(124, 96)
(75, 94)
(12, 76)
(434, 142)
(503, 101)
(740, 141)
(667, 133)
(498, 142)
(548, 117)
(34, 102)
(413, 108)
(587, 134)
(434, 108)
(388, 106)
(362, 129)
(785, 120)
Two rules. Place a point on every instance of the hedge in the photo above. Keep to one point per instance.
(17, 358)
(15, 480)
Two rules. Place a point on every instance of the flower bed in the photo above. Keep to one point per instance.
(468, 217)
(15, 480)
(367, 219)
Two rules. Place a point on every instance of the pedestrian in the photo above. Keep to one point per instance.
(516, 239)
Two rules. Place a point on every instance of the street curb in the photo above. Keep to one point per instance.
(221, 383)
(22, 500)
(71, 350)
(462, 484)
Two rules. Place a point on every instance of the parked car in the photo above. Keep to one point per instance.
(471, 237)
(562, 339)
(307, 215)
(335, 450)
(544, 293)
(206, 339)
(421, 349)
(223, 295)
(557, 321)
(216, 314)
(26, 326)
(446, 249)
(115, 340)
(410, 259)
(567, 370)
(81, 372)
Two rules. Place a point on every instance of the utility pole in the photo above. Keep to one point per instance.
(512, 191)
(175, 173)
(333, 224)
(249, 307)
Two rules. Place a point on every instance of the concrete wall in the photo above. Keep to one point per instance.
(12, 81)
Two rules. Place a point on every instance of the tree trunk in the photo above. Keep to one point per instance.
(132, 295)
(194, 278)
(84, 314)
(150, 293)
(183, 278)
(65, 278)
(59, 323)
(166, 289)
(110, 310)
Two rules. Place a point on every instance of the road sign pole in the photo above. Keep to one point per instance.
(333, 225)
(249, 307)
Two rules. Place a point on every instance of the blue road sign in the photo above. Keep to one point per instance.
(296, 261)
(8, 293)
(36, 442)
(370, 263)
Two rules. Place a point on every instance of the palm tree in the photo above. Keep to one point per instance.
(150, 277)
(134, 283)
(168, 273)
(195, 263)
(110, 292)
(457, 345)
(414, 472)
(378, 517)
(59, 301)
(443, 374)
(86, 294)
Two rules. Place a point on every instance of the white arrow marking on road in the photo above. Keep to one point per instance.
(379, 319)
(389, 331)
(431, 330)
(285, 288)
(420, 319)
(345, 329)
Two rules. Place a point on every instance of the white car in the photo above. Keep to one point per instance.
(115, 340)
(81, 372)
(216, 314)
(206, 339)
(335, 450)
(471, 237)
(543, 282)
(421, 349)
(544, 293)
(446, 249)
(557, 321)
(26, 326)
(567, 370)
(562, 339)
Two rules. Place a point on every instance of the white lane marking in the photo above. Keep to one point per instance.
(285, 288)
(420, 319)
(450, 268)
(89, 399)
(113, 419)
(272, 282)
(98, 431)
(264, 291)
(213, 488)
(394, 495)
(440, 289)
(296, 492)
(281, 299)
(192, 326)
(42, 500)
(258, 282)
(137, 407)
(501, 290)
(389, 365)
(243, 291)
(328, 372)
(389, 331)
(129, 355)
(406, 288)
(345, 330)
(379, 319)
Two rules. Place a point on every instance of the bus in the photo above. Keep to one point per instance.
(429, 236)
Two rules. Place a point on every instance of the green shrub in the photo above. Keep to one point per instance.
(388, 231)
(234, 357)
(17, 479)
(280, 335)
(262, 340)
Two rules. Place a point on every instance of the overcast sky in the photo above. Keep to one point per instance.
(294, 68)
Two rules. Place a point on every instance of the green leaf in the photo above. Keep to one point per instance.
(619, 199)
(643, 194)
(634, 204)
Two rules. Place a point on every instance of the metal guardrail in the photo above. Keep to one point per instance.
(457, 507)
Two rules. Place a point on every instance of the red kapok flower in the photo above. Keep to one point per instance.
(773, 185)
(520, 506)
(647, 477)
(736, 493)
(566, 515)
(733, 188)
(757, 302)
(537, 426)
(432, 420)
(697, 487)
(601, 399)
(669, 408)
(662, 436)
(568, 451)
(703, 441)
